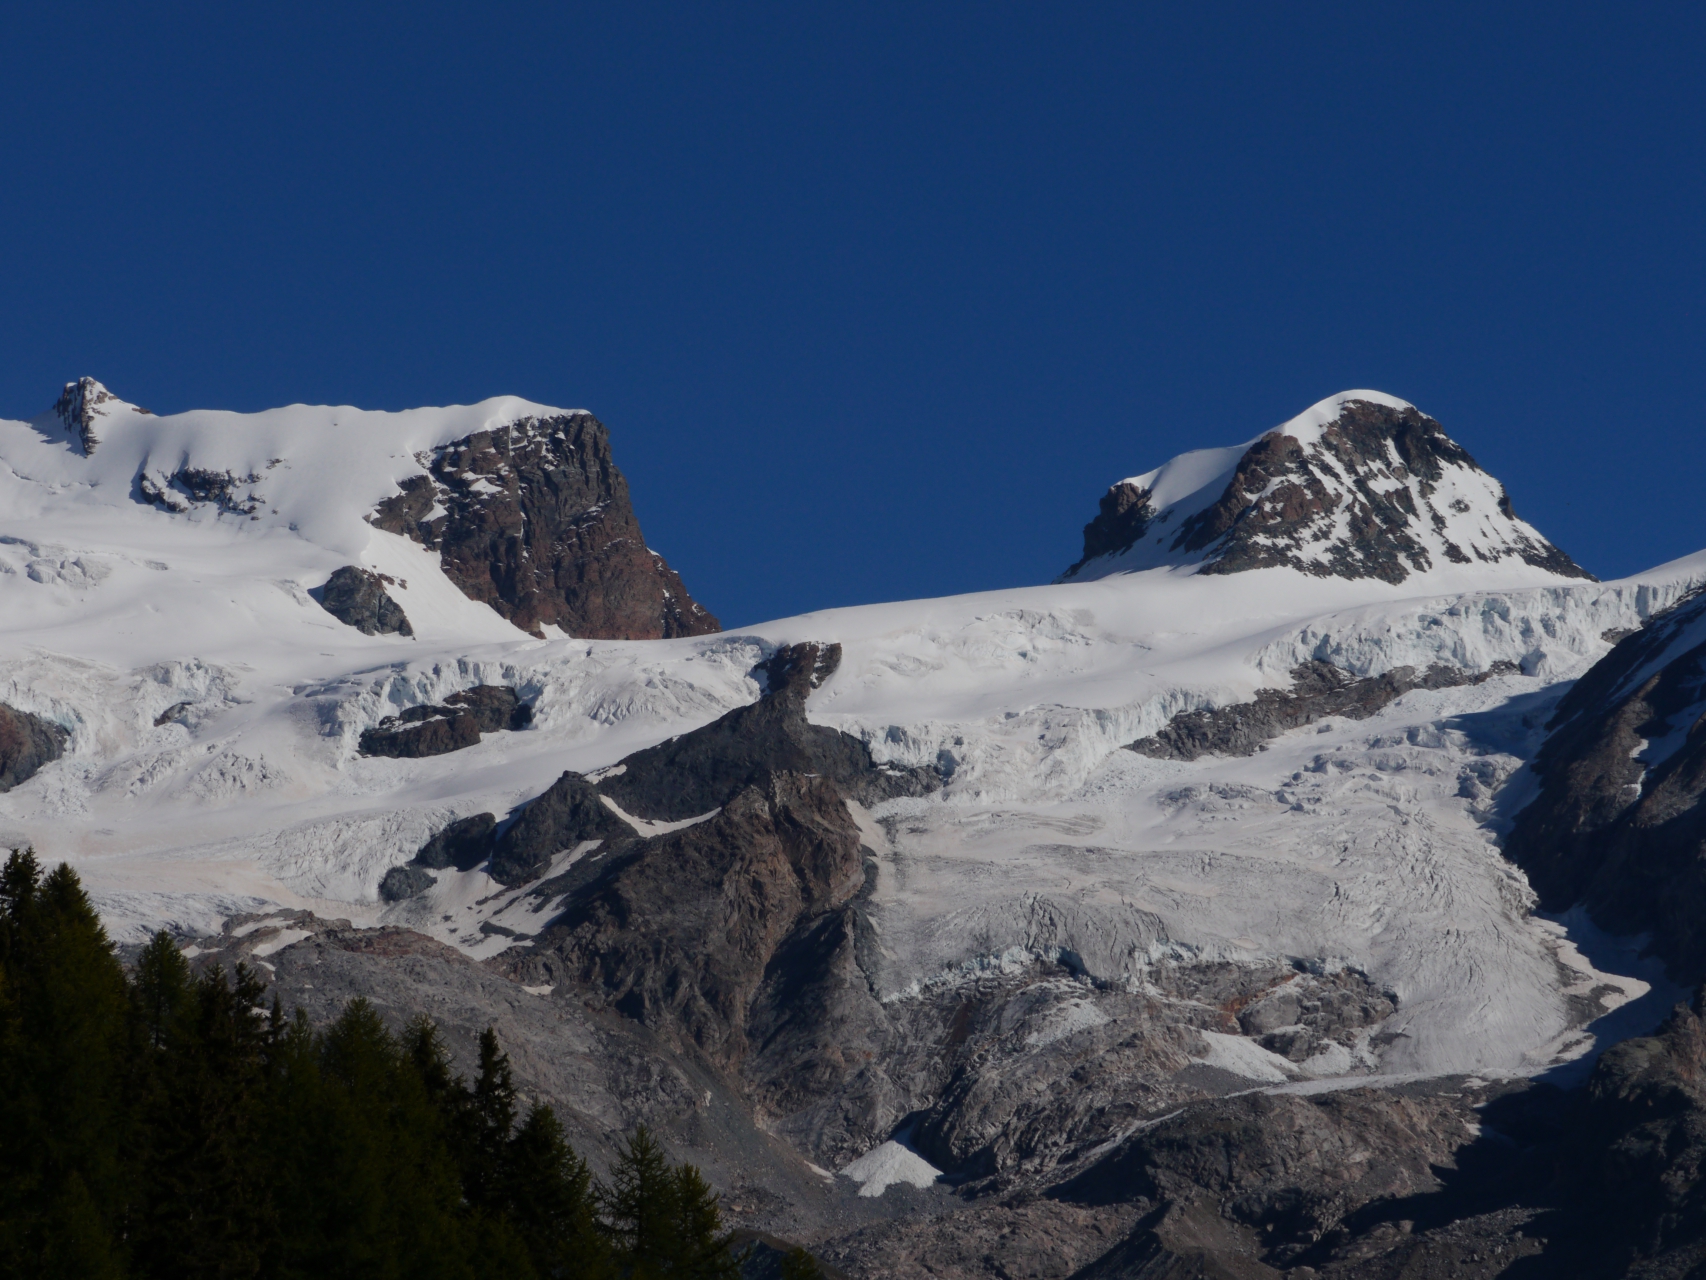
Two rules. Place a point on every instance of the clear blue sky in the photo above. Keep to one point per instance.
(877, 299)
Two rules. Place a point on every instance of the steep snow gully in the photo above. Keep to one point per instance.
(160, 607)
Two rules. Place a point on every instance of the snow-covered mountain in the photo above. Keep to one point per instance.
(974, 897)
(1361, 485)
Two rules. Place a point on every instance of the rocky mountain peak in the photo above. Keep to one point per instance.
(534, 518)
(1361, 485)
(81, 407)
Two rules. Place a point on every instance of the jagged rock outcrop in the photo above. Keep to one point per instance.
(27, 742)
(694, 773)
(568, 814)
(1619, 824)
(680, 934)
(82, 405)
(534, 519)
(436, 730)
(1318, 690)
(356, 597)
(178, 490)
(1355, 488)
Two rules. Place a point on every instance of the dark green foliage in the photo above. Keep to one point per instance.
(798, 1264)
(164, 1124)
(663, 1221)
(63, 1030)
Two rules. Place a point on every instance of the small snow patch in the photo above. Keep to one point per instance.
(883, 1166)
(541, 991)
(1080, 1015)
(284, 939)
(647, 828)
(1246, 1058)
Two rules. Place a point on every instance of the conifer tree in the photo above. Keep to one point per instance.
(491, 1118)
(160, 985)
(207, 1208)
(549, 1197)
(63, 1004)
(639, 1207)
(700, 1248)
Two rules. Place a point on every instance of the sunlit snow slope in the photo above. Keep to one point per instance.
(213, 708)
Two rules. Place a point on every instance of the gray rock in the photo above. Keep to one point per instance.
(1617, 827)
(356, 597)
(27, 742)
(404, 882)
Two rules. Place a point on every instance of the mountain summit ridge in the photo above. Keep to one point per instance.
(1359, 485)
(521, 505)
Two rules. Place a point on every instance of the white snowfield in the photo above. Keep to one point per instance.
(214, 708)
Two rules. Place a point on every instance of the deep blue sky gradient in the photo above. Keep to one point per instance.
(877, 299)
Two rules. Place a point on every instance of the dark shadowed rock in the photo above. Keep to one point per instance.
(1319, 690)
(681, 931)
(693, 774)
(356, 597)
(435, 730)
(404, 882)
(534, 519)
(81, 407)
(27, 742)
(464, 844)
(564, 816)
(1619, 824)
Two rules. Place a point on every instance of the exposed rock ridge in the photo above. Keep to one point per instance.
(1379, 491)
(27, 742)
(1319, 690)
(1620, 824)
(534, 519)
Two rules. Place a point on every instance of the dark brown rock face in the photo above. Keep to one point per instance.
(435, 730)
(1370, 499)
(27, 742)
(356, 597)
(1318, 690)
(534, 519)
(1619, 823)
(1122, 518)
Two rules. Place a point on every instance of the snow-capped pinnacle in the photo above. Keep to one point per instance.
(1360, 485)
(82, 405)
